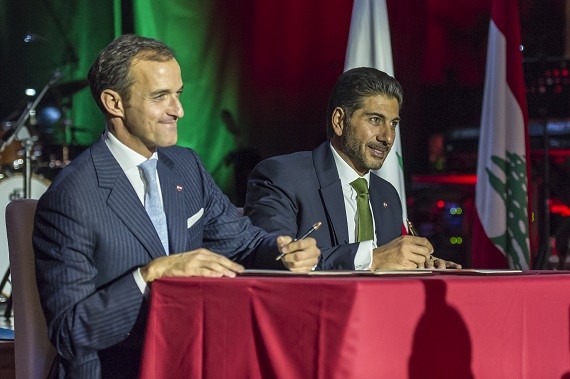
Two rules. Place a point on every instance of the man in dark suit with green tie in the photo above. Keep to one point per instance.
(361, 213)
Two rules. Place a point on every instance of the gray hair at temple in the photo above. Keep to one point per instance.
(111, 69)
(354, 85)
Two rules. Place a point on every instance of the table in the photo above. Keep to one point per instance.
(428, 326)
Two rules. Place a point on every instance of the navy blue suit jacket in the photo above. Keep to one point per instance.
(91, 231)
(288, 194)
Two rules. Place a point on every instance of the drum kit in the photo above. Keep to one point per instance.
(33, 149)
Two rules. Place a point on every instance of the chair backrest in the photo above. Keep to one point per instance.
(33, 350)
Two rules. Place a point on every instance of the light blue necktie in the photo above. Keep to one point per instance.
(153, 202)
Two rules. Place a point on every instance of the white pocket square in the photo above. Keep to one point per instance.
(192, 220)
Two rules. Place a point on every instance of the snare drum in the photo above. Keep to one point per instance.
(12, 188)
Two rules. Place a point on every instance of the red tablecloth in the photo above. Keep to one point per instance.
(442, 326)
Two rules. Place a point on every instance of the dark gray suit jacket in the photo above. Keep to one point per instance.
(91, 231)
(288, 194)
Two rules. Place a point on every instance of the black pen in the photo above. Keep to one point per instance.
(315, 226)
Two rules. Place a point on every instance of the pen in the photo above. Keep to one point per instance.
(414, 233)
(411, 229)
(315, 226)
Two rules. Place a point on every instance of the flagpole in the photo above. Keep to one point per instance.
(544, 250)
(544, 243)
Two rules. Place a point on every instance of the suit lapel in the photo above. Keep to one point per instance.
(331, 193)
(123, 200)
(173, 193)
(379, 204)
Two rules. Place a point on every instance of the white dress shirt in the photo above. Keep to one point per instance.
(363, 258)
(129, 160)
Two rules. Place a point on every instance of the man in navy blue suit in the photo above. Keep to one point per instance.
(287, 194)
(97, 250)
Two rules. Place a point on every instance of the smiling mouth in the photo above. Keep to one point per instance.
(170, 123)
(379, 151)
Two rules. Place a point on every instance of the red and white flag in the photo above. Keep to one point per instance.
(369, 46)
(501, 232)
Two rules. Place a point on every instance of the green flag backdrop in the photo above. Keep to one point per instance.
(67, 36)
(196, 31)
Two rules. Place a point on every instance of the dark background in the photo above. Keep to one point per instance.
(290, 54)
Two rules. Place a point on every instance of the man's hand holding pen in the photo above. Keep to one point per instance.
(298, 255)
(408, 252)
(402, 253)
(432, 262)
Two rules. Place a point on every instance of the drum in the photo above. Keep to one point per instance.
(11, 154)
(12, 188)
(12, 158)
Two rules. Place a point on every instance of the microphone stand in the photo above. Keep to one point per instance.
(22, 133)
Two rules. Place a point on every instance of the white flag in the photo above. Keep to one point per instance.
(369, 46)
(501, 231)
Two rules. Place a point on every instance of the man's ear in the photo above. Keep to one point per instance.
(113, 103)
(338, 121)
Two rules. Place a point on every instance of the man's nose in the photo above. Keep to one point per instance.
(386, 134)
(176, 108)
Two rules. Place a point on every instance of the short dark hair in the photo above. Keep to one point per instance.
(354, 85)
(111, 69)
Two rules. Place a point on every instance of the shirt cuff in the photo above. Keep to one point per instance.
(363, 257)
(143, 287)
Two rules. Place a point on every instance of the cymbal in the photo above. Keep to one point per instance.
(68, 88)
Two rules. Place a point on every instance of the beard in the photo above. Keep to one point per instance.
(356, 150)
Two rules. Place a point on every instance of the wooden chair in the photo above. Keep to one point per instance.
(34, 353)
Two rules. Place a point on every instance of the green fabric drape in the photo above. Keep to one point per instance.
(89, 35)
(195, 29)
(72, 34)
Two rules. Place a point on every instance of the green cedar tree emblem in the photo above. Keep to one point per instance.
(513, 191)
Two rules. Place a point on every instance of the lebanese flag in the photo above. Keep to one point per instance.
(369, 46)
(501, 233)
